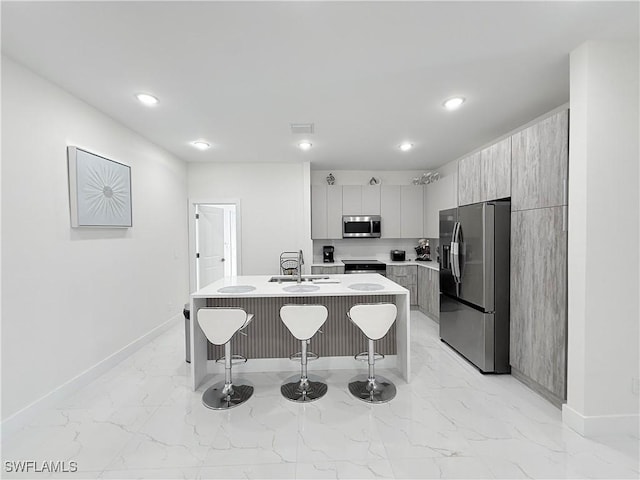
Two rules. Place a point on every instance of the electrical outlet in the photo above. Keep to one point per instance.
(635, 386)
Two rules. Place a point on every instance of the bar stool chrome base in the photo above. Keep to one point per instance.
(376, 390)
(222, 396)
(296, 390)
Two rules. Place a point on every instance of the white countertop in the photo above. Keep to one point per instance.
(263, 288)
(338, 263)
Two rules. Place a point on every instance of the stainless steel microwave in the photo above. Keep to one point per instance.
(363, 226)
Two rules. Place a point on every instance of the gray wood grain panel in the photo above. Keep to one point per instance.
(469, 179)
(423, 289)
(496, 171)
(434, 294)
(538, 332)
(328, 270)
(267, 337)
(540, 156)
(406, 276)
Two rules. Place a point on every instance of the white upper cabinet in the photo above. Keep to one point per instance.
(334, 211)
(352, 200)
(411, 211)
(439, 195)
(371, 199)
(319, 211)
(361, 200)
(326, 211)
(390, 211)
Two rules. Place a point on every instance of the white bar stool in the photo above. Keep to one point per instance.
(303, 321)
(219, 325)
(374, 320)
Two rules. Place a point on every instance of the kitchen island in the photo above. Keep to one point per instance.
(257, 295)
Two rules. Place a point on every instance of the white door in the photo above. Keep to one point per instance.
(210, 245)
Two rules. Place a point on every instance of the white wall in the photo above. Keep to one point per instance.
(603, 217)
(73, 297)
(272, 203)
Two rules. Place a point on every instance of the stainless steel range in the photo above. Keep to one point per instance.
(365, 266)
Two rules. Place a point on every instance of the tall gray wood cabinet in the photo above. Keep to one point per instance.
(538, 330)
(485, 175)
(540, 164)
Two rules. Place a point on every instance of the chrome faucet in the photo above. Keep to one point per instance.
(300, 263)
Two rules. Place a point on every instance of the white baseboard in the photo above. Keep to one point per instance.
(52, 399)
(600, 425)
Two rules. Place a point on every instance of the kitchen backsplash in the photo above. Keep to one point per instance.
(370, 248)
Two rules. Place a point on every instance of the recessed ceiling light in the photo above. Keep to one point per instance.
(453, 103)
(201, 144)
(305, 145)
(406, 146)
(147, 99)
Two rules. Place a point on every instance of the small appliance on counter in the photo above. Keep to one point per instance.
(327, 254)
(398, 255)
(423, 251)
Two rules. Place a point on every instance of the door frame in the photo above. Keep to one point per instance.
(192, 233)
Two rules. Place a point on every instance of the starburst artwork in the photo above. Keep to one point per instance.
(99, 190)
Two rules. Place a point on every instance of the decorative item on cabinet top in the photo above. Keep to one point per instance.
(331, 179)
(425, 178)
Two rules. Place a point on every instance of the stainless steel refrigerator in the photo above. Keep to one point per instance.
(474, 283)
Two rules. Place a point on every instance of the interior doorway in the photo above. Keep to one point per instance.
(214, 242)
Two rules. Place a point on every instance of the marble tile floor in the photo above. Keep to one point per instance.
(141, 420)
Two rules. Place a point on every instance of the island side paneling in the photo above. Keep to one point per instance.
(267, 337)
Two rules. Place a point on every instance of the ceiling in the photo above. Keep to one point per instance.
(368, 75)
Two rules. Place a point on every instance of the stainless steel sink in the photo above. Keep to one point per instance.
(294, 278)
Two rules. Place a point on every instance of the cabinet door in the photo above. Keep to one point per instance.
(327, 270)
(496, 171)
(390, 210)
(538, 330)
(434, 293)
(411, 211)
(439, 195)
(423, 289)
(352, 200)
(540, 156)
(334, 211)
(371, 200)
(319, 211)
(469, 179)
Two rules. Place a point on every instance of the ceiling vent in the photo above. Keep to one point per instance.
(302, 128)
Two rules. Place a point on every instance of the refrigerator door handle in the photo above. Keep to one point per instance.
(455, 253)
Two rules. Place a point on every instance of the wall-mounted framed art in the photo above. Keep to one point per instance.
(99, 190)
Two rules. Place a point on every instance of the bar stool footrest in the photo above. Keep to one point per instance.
(298, 356)
(364, 356)
(235, 359)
